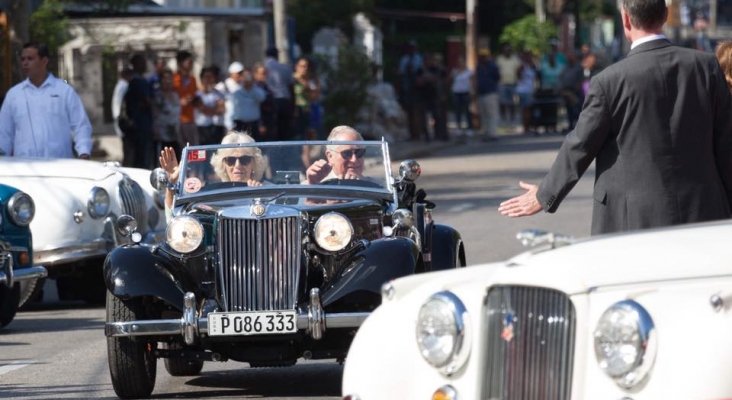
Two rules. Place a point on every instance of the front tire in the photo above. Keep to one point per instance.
(181, 366)
(132, 362)
(9, 301)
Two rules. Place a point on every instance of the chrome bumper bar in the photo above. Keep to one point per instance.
(314, 322)
(8, 275)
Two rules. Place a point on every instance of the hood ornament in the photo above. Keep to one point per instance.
(258, 208)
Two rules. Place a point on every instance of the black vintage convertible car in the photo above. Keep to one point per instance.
(264, 264)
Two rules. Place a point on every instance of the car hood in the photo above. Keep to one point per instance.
(695, 251)
(54, 168)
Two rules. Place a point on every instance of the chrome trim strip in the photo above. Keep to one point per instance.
(98, 247)
(26, 274)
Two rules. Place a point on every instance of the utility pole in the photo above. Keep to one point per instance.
(540, 12)
(280, 30)
(470, 33)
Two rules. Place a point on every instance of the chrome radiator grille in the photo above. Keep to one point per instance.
(259, 263)
(530, 344)
(132, 200)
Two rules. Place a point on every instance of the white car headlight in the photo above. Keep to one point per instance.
(625, 343)
(98, 203)
(443, 332)
(333, 231)
(21, 209)
(184, 234)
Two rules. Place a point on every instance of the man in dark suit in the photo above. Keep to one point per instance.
(658, 124)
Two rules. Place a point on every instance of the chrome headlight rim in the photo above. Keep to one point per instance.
(644, 328)
(16, 201)
(461, 341)
(182, 245)
(95, 209)
(326, 218)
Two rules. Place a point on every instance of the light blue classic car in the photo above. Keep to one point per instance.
(16, 250)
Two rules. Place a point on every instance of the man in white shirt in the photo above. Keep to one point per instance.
(228, 86)
(43, 116)
(118, 96)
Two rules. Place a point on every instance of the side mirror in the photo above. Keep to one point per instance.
(159, 179)
(409, 170)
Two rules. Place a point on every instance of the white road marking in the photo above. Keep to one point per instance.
(460, 207)
(4, 369)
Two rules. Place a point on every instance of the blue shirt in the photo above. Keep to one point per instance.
(245, 103)
(279, 78)
(47, 121)
(487, 77)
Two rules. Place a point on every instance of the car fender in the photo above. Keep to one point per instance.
(447, 246)
(135, 271)
(381, 261)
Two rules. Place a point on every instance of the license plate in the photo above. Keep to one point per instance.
(252, 323)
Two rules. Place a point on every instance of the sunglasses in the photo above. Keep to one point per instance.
(243, 160)
(347, 154)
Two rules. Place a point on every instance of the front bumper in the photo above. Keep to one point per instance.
(8, 275)
(191, 327)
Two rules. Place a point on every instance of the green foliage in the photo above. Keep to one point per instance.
(311, 15)
(528, 33)
(346, 85)
(49, 25)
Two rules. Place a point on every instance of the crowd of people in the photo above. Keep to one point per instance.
(267, 100)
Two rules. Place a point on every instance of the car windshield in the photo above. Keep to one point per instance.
(336, 165)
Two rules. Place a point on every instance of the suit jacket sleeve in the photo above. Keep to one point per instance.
(723, 130)
(579, 148)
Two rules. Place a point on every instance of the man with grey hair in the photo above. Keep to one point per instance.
(658, 125)
(343, 161)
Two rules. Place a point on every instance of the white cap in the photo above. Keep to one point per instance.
(235, 67)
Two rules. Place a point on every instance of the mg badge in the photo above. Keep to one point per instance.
(258, 209)
(507, 331)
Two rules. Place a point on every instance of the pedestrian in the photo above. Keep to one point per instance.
(304, 89)
(43, 116)
(186, 86)
(508, 63)
(166, 115)
(228, 86)
(246, 102)
(118, 96)
(159, 64)
(266, 108)
(525, 87)
(139, 140)
(570, 89)
(279, 80)
(661, 137)
(487, 77)
(551, 66)
(462, 82)
(411, 67)
(209, 112)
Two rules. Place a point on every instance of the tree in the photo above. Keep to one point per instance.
(529, 34)
(346, 85)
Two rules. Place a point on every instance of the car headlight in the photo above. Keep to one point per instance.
(98, 203)
(443, 332)
(625, 343)
(184, 234)
(333, 231)
(21, 209)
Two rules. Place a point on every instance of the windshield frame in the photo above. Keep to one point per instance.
(388, 192)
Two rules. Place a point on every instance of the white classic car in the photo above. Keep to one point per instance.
(77, 203)
(646, 315)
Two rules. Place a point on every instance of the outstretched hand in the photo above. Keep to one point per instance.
(169, 163)
(523, 205)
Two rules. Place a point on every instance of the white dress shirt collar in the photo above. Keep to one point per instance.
(646, 39)
(47, 82)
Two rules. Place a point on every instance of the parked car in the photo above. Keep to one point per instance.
(643, 315)
(16, 250)
(266, 274)
(77, 203)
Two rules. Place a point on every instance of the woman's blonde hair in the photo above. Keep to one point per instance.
(217, 161)
(724, 56)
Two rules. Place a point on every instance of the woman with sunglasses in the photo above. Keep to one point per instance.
(343, 162)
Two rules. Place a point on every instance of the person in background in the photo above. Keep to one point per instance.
(525, 88)
(209, 111)
(279, 80)
(487, 76)
(658, 126)
(138, 103)
(246, 103)
(228, 86)
(570, 89)
(154, 79)
(186, 86)
(43, 116)
(462, 81)
(267, 107)
(411, 66)
(166, 112)
(724, 56)
(508, 63)
(551, 66)
(118, 97)
(304, 90)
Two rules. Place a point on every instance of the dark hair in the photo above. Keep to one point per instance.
(646, 14)
(41, 48)
(214, 70)
(271, 52)
(182, 56)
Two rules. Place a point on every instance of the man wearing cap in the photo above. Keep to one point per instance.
(487, 77)
(228, 86)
